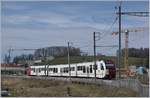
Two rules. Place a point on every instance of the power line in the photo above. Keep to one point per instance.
(110, 27)
(108, 46)
(139, 14)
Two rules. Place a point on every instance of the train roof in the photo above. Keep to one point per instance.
(107, 62)
(64, 64)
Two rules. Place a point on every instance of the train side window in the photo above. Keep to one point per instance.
(94, 67)
(91, 69)
(84, 70)
(87, 69)
(80, 67)
(72, 68)
(67, 69)
(33, 69)
(53, 70)
(42, 69)
(39, 69)
(56, 70)
(63, 70)
(50, 69)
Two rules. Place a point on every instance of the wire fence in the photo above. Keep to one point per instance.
(133, 84)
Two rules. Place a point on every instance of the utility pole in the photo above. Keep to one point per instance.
(126, 51)
(119, 55)
(9, 58)
(69, 60)
(94, 55)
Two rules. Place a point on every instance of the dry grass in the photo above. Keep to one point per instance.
(49, 88)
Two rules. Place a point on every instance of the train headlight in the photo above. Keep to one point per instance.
(107, 71)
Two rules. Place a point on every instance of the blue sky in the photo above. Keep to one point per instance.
(38, 24)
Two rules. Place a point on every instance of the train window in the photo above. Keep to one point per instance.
(91, 69)
(94, 67)
(50, 69)
(53, 70)
(84, 70)
(102, 67)
(42, 69)
(79, 67)
(65, 69)
(87, 69)
(33, 69)
(56, 70)
(72, 68)
(39, 69)
(109, 64)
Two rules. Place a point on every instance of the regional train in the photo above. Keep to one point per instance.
(104, 69)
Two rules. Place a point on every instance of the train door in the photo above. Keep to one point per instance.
(61, 71)
(76, 70)
(102, 69)
(87, 70)
(36, 71)
(47, 69)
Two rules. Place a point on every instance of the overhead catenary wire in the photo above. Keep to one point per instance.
(109, 29)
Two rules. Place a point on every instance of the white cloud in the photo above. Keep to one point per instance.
(16, 19)
(58, 20)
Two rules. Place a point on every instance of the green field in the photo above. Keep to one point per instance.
(78, 59)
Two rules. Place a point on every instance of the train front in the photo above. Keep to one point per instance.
(110, 69)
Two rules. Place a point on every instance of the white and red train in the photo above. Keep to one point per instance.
(104, 69)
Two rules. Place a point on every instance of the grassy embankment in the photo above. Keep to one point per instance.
(49, 88)
(78, 59)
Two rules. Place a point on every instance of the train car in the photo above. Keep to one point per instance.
(85, 69)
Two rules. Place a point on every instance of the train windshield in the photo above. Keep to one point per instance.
(110, 65)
